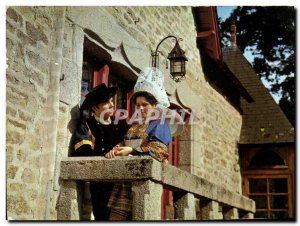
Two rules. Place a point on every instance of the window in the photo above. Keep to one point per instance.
(94, 72)
(266, 159)
(268, 179)
(125, 88)
(271, 197)
(97, 69)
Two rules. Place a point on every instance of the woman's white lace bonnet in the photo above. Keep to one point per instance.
(151, 80)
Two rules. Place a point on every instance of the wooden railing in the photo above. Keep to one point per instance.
(148, 178)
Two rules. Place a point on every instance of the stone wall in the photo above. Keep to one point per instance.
(215, 152)
(28, 40)
(44, 58)
(149, 25)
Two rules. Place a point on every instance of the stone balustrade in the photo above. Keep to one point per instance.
(148, 178)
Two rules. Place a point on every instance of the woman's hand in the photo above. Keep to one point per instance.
(112, 153)
(123, 151)
(119, 151)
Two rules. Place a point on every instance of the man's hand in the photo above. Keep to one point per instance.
(123, 151)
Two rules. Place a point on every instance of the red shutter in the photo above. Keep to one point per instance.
(175, 144)
(101, 76)
(130, 107)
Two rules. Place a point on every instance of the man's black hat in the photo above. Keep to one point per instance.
(99, 94)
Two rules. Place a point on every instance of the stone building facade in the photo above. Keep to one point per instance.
(45, 48)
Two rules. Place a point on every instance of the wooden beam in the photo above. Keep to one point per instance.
(205, 34)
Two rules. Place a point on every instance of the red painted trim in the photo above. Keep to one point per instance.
(130, 107)
(208, 33)
(218, 51)
(115, 102)
(173, 159)
(176, 151)
(101, 76)
(96, 80)
(170, 152)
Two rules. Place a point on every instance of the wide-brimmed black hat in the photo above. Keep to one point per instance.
(99, 94)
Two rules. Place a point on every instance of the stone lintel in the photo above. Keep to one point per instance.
(204, 189)
(102, 169)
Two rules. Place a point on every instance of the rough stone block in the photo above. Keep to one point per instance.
(184, 206)
(246, 215)
(36, 34)
(11, 171)
(185, 148)
(11, 13)
(28, 176)
(67, 206)
(18, 207)
(186, 134)
(169, 212)
(230, 213)
(35, 60)
(14, 137)
(146, 200)
(210, 210)
(71, 74)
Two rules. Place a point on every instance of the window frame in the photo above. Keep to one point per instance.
(268, 176)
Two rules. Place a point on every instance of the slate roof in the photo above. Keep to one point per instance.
(263, 120)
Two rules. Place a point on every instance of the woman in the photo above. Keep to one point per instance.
(153, 137)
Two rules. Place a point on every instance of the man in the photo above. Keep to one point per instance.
(96, 136)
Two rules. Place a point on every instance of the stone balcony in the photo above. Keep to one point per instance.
(148, 178)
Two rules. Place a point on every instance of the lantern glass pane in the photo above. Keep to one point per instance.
(171, 66)
(183, 66)
(177, 66)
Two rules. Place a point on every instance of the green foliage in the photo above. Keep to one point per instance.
(269, 34)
